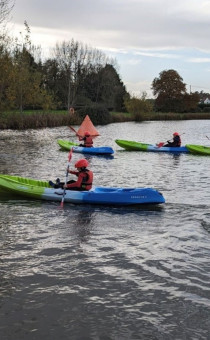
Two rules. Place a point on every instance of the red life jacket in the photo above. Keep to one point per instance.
(87, 181)
(88, 142)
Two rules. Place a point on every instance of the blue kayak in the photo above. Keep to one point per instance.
(179, 149)
(41, 190)
(100, 150)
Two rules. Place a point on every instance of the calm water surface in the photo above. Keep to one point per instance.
(89, 272)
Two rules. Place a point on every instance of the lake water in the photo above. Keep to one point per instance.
(105, 273)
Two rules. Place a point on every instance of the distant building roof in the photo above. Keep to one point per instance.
(207, 101)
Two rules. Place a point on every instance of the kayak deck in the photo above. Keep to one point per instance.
(132, 146)
(36, 189)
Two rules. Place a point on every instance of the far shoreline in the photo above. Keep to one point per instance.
(48, 119)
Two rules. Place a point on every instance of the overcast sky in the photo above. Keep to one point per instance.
(144, 36)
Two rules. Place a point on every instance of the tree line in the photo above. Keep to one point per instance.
(76, 76)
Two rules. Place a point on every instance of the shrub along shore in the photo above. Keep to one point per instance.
(42, 119)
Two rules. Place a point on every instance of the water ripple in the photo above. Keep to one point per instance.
(89, 272)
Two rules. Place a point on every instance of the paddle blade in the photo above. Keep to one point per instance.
(160, 144)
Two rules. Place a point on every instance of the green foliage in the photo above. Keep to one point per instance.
(21, 84)
(138, 106)
(190, 102)
(104, 87)
(98, 114)
(206, 109)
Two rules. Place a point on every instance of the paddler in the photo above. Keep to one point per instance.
(83, 182)
(88, 142)
(176, 141)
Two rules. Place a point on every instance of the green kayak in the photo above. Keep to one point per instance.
(198, 149)
(137, 146)
(131, 146)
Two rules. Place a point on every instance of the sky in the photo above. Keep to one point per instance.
(145, 37)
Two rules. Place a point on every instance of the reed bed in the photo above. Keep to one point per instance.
(41, 119)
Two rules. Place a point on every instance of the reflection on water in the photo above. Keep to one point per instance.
(94, 272)
(83, 224)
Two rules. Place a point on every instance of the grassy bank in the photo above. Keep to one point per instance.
(41, 119)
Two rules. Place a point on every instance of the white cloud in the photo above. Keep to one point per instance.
(165, 34)
(134, 61)
(158, 55)
(139, 87)
(121, 24)
(199, 60)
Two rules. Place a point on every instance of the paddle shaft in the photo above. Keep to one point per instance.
(66, 179)
(73, 129)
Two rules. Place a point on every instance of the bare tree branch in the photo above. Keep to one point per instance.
(6, 7)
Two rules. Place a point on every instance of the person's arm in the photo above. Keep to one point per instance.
(73, 172)
(82, 138)
(78, 183)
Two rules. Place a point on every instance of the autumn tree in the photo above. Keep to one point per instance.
(5, 60)
(6, 76)
(27, 89)
(169, 90)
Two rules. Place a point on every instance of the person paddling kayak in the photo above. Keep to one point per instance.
(83, 182)
(176, 141)
(88, 142)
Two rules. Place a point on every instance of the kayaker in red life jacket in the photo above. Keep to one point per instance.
(176, 141)
(88, 142)
(84, 180)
